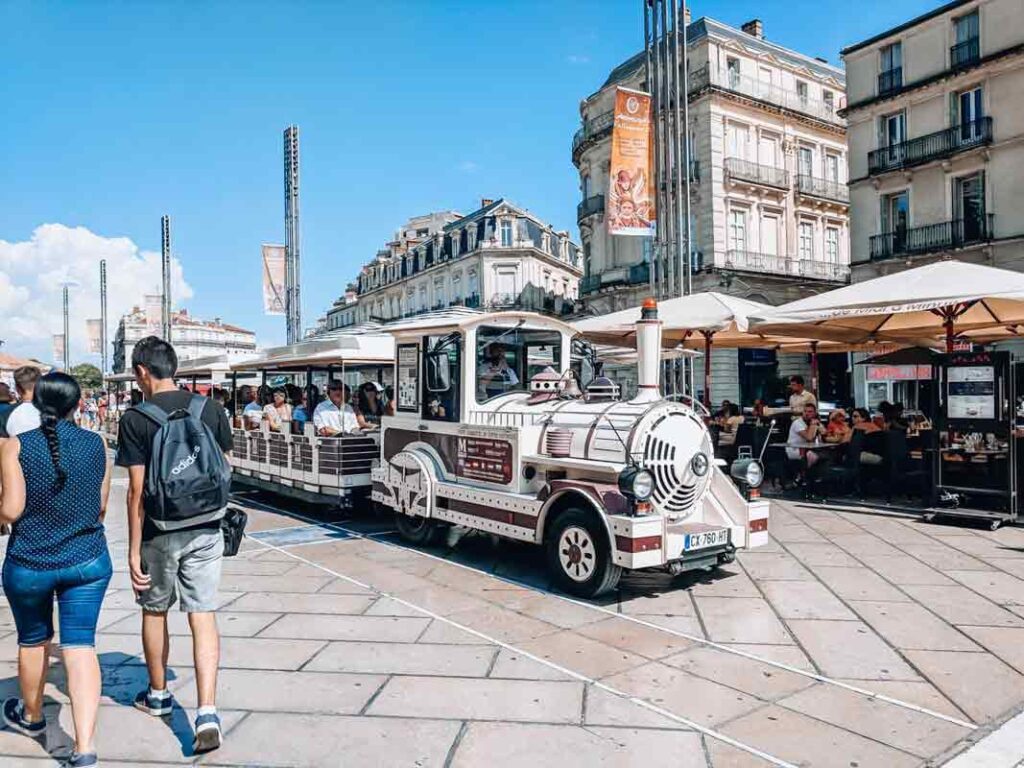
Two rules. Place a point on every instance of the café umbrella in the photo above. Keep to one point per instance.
(916, 306)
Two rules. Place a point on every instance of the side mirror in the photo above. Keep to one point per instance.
(439, 372)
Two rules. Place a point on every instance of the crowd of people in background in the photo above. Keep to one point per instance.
(337, 412)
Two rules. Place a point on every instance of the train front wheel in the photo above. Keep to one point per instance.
(578, 555)
(417, 529)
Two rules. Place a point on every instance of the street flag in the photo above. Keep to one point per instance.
(58, 349)
(154, 314)
(273, 279)
(630, 208)
(94, 335)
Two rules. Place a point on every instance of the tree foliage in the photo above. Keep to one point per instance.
(87, 375)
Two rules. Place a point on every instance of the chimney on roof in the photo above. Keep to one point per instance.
(686, 15)
(484, 202)
(755, 28)
(822, 59)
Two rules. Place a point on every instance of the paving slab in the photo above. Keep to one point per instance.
(902, 570)
(455, 698)
(503, 624)
(404, 659)
(804, 740)
(300, 602)
(326, 693)
(918, 692)
(959, 605)
(697, 699)
(813, 554)
(784, 654)
(553, 610)
(859, 584)
(741, 620)
(757, 678)
(979, 683)
(237, 582)
(946, 558)
(676, 602)
(774, 565)
(518, 666)
(323, 740)
(999, 587)
(909, 625)
(1005, 642)
(230, 623)
(604, 708)
(805, 600)
(585, 655)
(728, 581)
(502, 744)
(637, 638)
(850, 649)
(393, 629)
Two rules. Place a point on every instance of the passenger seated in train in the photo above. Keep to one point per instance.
(300, 412)
(369, 407)
(252, 412)
(496, 377)
(334, 416)
(389, 404)
(278, 412)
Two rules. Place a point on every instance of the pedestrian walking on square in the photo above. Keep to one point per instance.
(25, 416)
(175, 440)
(55, 484)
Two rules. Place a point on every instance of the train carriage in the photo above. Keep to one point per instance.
(492, 431)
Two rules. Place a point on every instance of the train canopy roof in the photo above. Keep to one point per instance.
(446, 323)
(342, 349)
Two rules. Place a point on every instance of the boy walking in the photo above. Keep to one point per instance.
(175, 541)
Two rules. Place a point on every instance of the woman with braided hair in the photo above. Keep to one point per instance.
(55, 482)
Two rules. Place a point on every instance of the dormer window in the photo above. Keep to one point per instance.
(506, 233)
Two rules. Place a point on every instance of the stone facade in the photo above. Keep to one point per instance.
(191, 337)
(768, 180)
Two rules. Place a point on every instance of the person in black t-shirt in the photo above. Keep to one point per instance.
(181, 565)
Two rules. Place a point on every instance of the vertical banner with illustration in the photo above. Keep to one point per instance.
(630, 208)
(94, 335)
(154, 314)
(58, 349)
(273, 279)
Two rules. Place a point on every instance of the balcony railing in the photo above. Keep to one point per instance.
(964, 54)
(592, 129)
(730, 80)
(823, 188)
(932, 237)
(789, 266)
(639, 274)
(932, 146)
(767, 175)
(592, 206)
(890, 80)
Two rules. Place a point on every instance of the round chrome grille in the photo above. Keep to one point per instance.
(669, 445)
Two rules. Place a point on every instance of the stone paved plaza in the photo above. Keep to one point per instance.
(851, 640)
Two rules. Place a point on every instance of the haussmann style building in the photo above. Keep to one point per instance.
(769, 199)
(192, 337)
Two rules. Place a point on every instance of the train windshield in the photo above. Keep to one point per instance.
(507, 358)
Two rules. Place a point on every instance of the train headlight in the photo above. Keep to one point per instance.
(700, 464)
(638, 483)
(748, 471)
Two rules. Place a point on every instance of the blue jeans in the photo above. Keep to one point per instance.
(79, 590)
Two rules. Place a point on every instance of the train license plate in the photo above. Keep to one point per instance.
(705, 539)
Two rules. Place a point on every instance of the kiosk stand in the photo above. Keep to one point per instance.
(977, 454)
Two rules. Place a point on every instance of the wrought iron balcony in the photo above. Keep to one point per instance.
(763, 263)
(589, 284)
(592, 130)
(933, 146)
(744, 170)
(890, 80)
(932, 237)
(823, 188)
(732, 81)
(825, 270)
(964, 54)
(592, 206)
(639, 274)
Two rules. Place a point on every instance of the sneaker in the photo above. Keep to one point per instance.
(14, 716)
(157, 706)
(82, 761)
(207, 733)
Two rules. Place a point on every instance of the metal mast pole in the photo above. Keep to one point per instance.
(103, 316)
(165, 268)
(687, 162)
(67, 347)
(292, 294)
(668, 172)
(652, 264)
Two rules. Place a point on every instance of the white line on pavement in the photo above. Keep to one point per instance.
(642, 622)
(1003, 748)
(557, 667)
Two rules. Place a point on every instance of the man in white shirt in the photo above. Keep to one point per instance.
(24, 417)
(334, 416)
(252, 413)
(804, 430)
(799, 397)
(496, 377)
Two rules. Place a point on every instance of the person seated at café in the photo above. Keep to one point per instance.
(724, 411)
(892, 415)
(334, 416)
(759, 411)
(862, 422)
(804, 431)
(369, 407)
(278, 412)
(729, 422)
(799, 396)
(838, 430)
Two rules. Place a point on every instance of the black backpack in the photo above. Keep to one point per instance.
(188, 479)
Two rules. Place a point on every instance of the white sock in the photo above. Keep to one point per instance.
(154, 692)
(207, 710)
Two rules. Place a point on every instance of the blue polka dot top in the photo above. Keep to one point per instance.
(60, 530)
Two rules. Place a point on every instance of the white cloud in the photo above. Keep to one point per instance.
(577, 58)
(468, 166)
(32, 271)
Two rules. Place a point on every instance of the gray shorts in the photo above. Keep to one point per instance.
(183, 564)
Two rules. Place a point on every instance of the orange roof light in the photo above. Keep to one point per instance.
(650, 303)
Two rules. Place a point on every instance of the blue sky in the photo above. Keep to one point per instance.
(115, 113)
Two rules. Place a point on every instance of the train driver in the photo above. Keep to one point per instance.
(495, 375)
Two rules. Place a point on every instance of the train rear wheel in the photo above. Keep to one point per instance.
(578, 554)
(417, 529)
